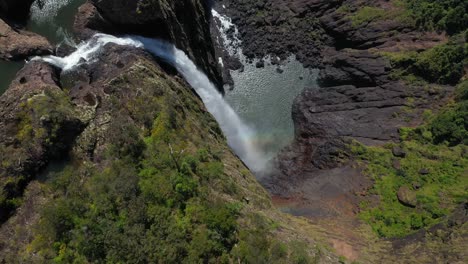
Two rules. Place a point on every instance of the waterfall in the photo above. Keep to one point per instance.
(239, 136)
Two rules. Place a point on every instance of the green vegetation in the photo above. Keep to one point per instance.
(442, 15)
(433, 171)
(39, 128)
(451, 124)
(450, 16)
(443, 64)
(170, 192)
(366, 14)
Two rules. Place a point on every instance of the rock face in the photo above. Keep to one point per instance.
(184, 23)
(358, 98)
(38, 124)
(17, 10)
(280, 28)
(21, 44)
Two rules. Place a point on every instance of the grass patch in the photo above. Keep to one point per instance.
(366, 15)
(437, 192)
(443, 64)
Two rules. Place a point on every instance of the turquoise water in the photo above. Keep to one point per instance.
(263, 98)
(8, 72)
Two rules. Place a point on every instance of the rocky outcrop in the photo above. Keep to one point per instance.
(184, 23)
(17, 44)
(359, 99)
(406, 196)
(38, 124)
(280, 28)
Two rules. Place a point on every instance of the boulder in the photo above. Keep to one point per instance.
(398, 152)
(424, 171)
(406, 196)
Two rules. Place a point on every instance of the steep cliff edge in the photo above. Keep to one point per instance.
(117, 160)
(146, 167)
(184, 23)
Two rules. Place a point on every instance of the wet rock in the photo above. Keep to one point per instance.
(21, 44)
(406, 196)
(63, 49)
(260, 64)
(74, 77)
(398, 152)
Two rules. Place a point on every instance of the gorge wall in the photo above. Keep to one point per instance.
(117, 159)
(184, 23)
(380, 89)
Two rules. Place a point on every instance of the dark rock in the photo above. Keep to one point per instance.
(184, 23)
(260, 64)
(279, 70)
(398, 152)
(359, 68)
(416, 185)
(23, 149)
(20, 44)
(63, 50)
(406, 196)
(76, 76)
(424, 171)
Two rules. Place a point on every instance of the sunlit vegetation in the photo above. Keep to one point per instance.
(450, 16)
(161, 193)
(433, 171)
(443, 64)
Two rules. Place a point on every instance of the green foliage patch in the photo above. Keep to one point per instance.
(443, 64)
(439, 191)
(160, 194)
(365, 15)
(441, 15)
(434, 170)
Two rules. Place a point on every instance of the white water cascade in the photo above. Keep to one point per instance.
(239, 136)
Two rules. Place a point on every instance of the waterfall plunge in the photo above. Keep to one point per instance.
(239, 136)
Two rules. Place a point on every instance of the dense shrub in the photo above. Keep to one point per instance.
(443, 15)
(443, 64)
(451, 124)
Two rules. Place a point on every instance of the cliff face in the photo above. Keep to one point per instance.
(184, 23)
(147, 166)
(16, 43)
(380, 82)
(117, 160)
